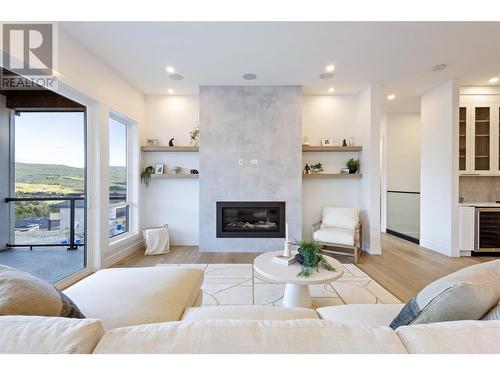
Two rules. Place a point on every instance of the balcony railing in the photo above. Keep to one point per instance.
(70, 237)
(403, 214)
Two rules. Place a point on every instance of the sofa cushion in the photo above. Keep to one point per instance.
(21, 293)
(252, 312)
(250, 336)
(474, 337)
(493, 314)
(467, 294)
(371, 315)
(340, 217)
(122, 297)
(48, 335)
(334, 235)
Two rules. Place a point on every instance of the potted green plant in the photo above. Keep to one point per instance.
(195, 133)
(310, 258)
(353, 165)
(146, 175)
(317, 168)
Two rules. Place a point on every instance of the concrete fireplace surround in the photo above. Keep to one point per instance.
(260, 124)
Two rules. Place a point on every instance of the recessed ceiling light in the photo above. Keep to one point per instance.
(391, 97)
(331, 89)
(176, 76)
(170, 69)
(170, 91)
(330, 68)
(439, 67)
(249, 76)
(325, 75)
(493, 80)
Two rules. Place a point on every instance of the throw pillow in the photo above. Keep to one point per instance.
(493, 314)
(463, 295)
(24, 294)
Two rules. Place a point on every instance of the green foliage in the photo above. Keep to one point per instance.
(45, 180)
(195, 133)
(353, 164)
(146, 175)
(313, 260)
(318, 167)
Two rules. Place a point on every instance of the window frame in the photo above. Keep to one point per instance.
(129, 161)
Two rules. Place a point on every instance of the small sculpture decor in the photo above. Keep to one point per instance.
(344, 143)
(307, 169)
(171, 142)
(193, 171)
(310, 258)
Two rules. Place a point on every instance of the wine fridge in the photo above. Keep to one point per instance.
(487, 233)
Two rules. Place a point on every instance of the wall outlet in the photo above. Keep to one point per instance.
(240, 162)
(254, 161)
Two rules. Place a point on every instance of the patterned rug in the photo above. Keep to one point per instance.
(238, 284)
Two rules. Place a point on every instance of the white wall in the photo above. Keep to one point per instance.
(368, 118)
(172, 202)
(328, 116)
(401, 212)
(85, 79)
(403, 152)
(340, 117)
(439, 170)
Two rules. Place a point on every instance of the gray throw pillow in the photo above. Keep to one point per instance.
(467, 294)
(493, 314)
(24, 294)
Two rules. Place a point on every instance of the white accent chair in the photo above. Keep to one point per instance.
(339, 227)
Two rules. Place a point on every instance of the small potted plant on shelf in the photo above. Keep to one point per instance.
(317, 168)
(195, 133)
(146, 175)
(310, 258)
(353, 165)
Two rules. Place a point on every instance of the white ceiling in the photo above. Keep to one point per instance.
(399, 55)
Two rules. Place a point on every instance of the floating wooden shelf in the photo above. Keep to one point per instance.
(170, 149)
(180, 175)
(332, 175)
(332, 148)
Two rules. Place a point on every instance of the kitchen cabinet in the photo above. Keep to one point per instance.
(479, 139)
(466, 242)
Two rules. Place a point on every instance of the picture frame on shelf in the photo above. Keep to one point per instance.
(326, 142)
(159, 168)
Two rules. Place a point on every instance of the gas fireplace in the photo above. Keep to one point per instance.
(251, 219)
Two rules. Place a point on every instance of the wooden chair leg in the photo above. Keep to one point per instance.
(355, 254)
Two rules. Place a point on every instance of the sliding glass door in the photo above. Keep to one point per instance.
(48, 194)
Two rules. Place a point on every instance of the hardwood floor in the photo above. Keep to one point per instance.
(403, 268)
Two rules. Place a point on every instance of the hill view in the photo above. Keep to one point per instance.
(35, 180)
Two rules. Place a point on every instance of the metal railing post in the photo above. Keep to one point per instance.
(72, 245)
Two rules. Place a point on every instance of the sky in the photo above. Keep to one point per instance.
(58, 138)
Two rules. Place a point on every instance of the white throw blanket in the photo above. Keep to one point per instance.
(157, 241)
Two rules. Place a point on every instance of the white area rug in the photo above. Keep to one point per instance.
(238, 284)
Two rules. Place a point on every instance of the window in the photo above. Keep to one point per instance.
(46, 210)
(119, 217)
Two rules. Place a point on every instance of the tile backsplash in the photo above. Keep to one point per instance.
(479, 188)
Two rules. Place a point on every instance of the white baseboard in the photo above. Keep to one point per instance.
(121, 253)
(184, 241)
(465, 253)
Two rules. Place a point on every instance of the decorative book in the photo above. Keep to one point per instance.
(281, 259)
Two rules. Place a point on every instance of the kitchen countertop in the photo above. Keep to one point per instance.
(479, 204)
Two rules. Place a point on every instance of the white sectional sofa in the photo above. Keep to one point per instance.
(158, 315)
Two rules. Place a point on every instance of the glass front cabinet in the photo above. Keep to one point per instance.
(479, 139)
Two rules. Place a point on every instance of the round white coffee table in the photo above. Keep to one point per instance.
(297, 288)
